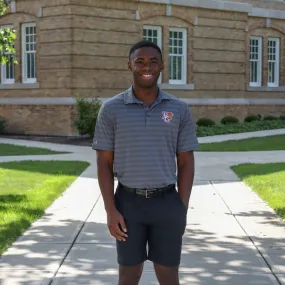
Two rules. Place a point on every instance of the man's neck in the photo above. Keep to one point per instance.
(146, 95)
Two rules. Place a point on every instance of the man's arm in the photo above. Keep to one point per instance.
(105, 160)
(185, 167)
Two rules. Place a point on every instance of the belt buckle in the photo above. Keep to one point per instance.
(147, 191)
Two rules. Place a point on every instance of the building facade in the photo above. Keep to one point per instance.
(222, 58)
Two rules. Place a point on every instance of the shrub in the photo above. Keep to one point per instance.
(3, 124)
(87, 112)
(240, 128)
(252, 118)
(269, 118)
(229, 120)
(282, 117)
(205, 122)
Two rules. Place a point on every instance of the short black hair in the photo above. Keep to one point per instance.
(142, 44)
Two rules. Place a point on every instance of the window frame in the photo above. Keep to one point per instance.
(159, 40)
(4, 79)
(277, 62)
(259, 67)
(24, 52)
(184, 56)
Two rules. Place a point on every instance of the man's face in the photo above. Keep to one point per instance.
(146, 65)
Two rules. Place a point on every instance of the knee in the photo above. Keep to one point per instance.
(130, 275)
(167, 275)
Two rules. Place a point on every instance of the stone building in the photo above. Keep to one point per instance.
(221, 57)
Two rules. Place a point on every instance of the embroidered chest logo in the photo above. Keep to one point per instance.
(167, 116)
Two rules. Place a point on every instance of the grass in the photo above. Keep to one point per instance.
(27, 188)
(268, 181)
(240, 127)
(10, 150)
(276, 142)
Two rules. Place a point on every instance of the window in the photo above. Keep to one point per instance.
(29, 53)
(177, 56)
(273, 62)
(8, 69)
(255, 61)
(153, 34)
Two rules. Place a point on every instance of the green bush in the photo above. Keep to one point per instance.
(3, 124)
(252, 118)
(239, 128)
(282, 117)
(229, 120)
(205, 122)
(269, 118)
(87, 112)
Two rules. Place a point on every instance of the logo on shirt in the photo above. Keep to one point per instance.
(167, 116)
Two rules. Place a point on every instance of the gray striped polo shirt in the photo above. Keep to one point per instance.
(144, 139)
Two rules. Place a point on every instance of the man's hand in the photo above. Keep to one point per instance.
(185, 202)
(116, 225)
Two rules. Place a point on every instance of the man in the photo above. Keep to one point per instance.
(138, 137)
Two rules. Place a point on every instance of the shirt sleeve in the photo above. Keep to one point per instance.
(104, 130)
(187, 139)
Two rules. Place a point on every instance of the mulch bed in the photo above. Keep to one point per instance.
(80, 141)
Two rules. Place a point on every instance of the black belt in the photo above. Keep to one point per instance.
(149, 193)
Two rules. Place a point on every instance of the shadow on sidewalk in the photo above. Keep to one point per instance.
(73, 255)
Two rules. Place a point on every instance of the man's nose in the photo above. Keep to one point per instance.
(147, 64)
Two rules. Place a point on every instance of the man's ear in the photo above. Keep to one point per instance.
(130, 66)
(162, 65)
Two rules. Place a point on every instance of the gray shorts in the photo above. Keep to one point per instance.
(155, 228)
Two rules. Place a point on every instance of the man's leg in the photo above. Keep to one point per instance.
(131, 253)
(130, 275)
(165, 237)
(166, 275)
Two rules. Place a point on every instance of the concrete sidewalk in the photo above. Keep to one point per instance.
(232, 236)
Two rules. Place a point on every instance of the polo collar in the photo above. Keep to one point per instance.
(130, 98)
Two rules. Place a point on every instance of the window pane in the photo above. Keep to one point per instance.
(9, 69)
(175, 68)
(179, 63)
(33, 68)
(28, 65)
(151, 35)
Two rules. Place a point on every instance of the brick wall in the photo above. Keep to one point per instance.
(83, 48)
(59, 119)
(40, 119)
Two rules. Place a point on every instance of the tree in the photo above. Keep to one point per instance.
(7, 37)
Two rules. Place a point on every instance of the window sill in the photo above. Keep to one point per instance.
(266, 89)
(166, 86)
(20, 86)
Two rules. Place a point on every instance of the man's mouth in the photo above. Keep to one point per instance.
(147, 76)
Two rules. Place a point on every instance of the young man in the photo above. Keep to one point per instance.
(138, 137)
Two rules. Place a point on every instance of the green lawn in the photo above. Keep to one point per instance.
(27, 188)
(276, 142)
(268, 181)
(9, 150)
